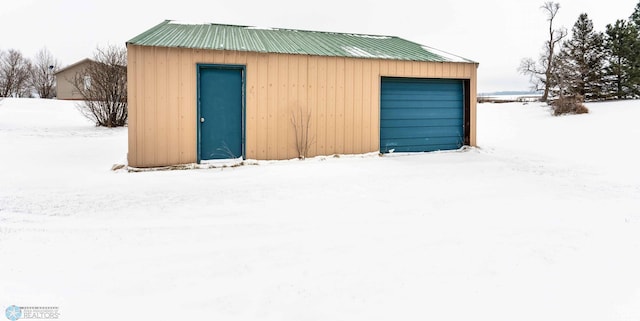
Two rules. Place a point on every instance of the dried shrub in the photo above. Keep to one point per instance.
(568, 105)
(301, 129)
(103, 86)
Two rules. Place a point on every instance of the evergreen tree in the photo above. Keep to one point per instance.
(635, 74)
(621, 45)
(580, 62)
(635, 16)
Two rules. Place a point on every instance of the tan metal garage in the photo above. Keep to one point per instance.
(203, 91)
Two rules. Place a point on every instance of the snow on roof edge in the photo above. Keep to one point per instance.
(449, 56)
(188, 23)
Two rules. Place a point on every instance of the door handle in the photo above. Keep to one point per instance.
(202, 119)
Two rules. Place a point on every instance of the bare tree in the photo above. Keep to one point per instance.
(42, 73)
(541, 72)
(14, 74)
(103, 85)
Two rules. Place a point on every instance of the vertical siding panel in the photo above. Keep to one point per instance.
(282, 108)
(415, 68)
(340, 106)
(468, 70)
(375, 110)
(431, 67)
(143, 159)
(190, 120)
(251, 110)
(465, 70)
(473, 102)
(459, 70)
(349, 106)
(262, 105)
(150, 117)
(312, 102)
(243, 57)
(292, 104)
(302, 106)
(162, 137)
(230, 57)
(321, 129)
(140, 107)
(358, 106)
(183, 103)
(438, 70)
(424, 70)
(173, 116)
(384, 68)
(408, 69)
(209, 57)
(446, 70)
(132, 117)
(197, 56)
(330, 146)
(400, 68)
(392, 68)
(367, 105)
(217, 57)
(272, 108)
(462, 70)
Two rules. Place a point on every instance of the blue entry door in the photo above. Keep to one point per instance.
(220, 112)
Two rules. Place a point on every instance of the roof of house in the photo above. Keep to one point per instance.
(287, 41)
(83, 61)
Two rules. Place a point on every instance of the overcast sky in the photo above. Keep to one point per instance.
(495, 33)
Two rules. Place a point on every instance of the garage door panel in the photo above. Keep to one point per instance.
(423, 122)
(421, 141)
(413, 148)
(409, 84)
(420, 132)
(421, 95)
(410, 145)
(455, 104)
(421, 114)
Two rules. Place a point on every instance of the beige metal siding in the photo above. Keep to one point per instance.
(342, 95)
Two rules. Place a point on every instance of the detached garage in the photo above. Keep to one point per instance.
(209, 91)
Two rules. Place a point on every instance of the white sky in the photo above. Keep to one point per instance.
(495, 33)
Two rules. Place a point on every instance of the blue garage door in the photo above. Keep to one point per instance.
(421, 115)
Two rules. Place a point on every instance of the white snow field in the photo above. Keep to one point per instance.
(540, 222)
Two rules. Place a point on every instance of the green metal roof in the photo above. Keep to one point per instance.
(287, 41)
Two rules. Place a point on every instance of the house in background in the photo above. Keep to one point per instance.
(207, 91)
(65, 77)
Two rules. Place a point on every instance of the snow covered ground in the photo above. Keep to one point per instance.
(541, 222)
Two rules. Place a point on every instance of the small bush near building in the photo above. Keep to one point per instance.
(568, 105)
